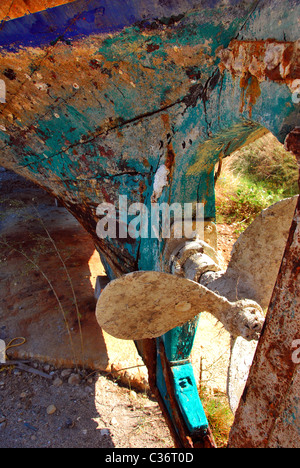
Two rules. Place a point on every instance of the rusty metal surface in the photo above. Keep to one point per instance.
(292, 143)
(254, 62)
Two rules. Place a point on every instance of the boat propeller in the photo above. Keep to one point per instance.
(147, 304)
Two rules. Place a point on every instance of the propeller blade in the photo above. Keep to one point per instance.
(144, 305)
(253, 271)
(256, 257)
(241, 358)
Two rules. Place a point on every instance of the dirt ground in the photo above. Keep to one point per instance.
(59, 406)
(91, 411)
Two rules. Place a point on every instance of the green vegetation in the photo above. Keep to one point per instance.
(219, 415)
(253, 179)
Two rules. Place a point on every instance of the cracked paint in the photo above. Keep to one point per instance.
(142, 99)
(99, 101)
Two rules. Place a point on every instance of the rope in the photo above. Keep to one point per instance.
(11, 345)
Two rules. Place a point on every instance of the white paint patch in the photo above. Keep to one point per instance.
(274, 55)
(41, 86)
(160, 182)
(295, 86)
(295, 90)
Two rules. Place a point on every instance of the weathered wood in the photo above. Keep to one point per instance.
(15, 9)
(100, 95)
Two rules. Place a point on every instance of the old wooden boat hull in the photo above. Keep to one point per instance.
(98, 96)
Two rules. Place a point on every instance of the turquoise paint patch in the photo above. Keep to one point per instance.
(273, 110)
(186, 393)
(179, 341)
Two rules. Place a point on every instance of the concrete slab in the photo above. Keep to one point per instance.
(29, 308)
(36, 287)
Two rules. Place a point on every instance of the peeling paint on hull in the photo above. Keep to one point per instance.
(101, 94)
(92, 116)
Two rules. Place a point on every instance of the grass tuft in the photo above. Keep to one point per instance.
(219, 415)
